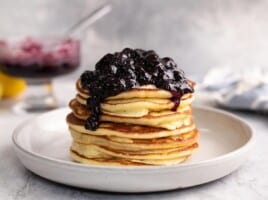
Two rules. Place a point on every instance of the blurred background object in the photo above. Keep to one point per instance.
(10, 87)
(237, 88)
(199, 34)
(38, 59)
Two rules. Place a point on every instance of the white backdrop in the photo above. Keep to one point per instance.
(198, 34)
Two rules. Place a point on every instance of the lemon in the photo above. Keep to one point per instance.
(1, 90)
(11, 86)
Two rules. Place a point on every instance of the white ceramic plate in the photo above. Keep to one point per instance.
(42, 145)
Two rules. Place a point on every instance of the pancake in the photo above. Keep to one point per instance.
(164, 119)
(148, 91)
(145, 91)
(121, 162)
(126, 130)
(94, 151)
(136, 108)
(128, 144)
(152, 103)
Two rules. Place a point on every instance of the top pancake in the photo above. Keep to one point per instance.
(146, 91)
(137, 102)
(137, 107)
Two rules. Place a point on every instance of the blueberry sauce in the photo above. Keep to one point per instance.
(128, 69)
(39, 58)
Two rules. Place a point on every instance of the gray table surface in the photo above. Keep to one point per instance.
(249, 182)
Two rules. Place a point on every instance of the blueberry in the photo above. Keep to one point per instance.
(92, 123)
(140, 52)
(177, 75)
(150, 52)
(169, 63)
(87, 77)
(105, 61)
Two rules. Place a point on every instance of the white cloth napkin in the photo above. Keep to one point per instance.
(238, 88)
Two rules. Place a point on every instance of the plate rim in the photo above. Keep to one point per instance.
(70, 164)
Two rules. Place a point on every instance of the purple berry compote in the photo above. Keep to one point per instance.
(39, 58)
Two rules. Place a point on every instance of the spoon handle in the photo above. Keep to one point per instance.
(90, 19)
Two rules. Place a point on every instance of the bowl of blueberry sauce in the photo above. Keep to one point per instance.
(38, 60)
(31, 57)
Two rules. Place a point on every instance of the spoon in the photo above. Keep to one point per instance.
(88, 20)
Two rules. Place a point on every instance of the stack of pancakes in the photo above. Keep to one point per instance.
(137, 127)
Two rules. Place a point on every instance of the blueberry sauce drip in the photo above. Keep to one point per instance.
(131, 68)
